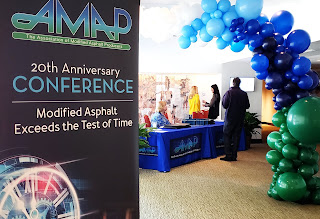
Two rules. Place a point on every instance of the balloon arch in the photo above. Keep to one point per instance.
(276, 60)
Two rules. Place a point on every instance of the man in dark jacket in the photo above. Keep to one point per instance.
(235, 101)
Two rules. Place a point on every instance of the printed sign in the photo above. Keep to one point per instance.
(182, 146)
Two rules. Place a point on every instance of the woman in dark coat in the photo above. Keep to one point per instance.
(214, 102)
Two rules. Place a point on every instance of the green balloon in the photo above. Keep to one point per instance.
(269, 193)
(274, 168)
(315, 168)
(311, 147)
(304, 120)
(283, 128)
(297, 163)
(286, 165)
(285, 109)
(275, 194)
(311, 183)
(287, 138)
(315, 196)
(278, 118)
(305, 155)
(306, 197)
(315, 157)
(272, 138)
(306, 171)
(290, 151)
(279, 145)
(273, 157)
(291, 186)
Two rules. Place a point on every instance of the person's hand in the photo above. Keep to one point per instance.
(203, 101)
(204, 105)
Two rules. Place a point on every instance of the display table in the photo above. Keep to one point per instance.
(175, 147)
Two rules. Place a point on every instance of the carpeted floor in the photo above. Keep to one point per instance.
(217, 189)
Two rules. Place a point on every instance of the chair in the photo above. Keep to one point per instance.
(147, 121)
(205, 113)
(197, 115)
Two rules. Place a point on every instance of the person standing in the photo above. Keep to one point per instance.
(214, 102)
(194, 101)
(235, 101)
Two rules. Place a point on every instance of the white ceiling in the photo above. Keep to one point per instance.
(156, 52)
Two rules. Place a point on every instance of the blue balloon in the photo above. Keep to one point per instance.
(209, 5)
(267, 86)
(234, 23)
(197, 24)
(235, 39)
(298, 41)
(224, 5)
(315, 79)
(251, 48)
(240, 20)
(262, 75)
(263, 18)
(277, 106)
(267, 29)
(233, 8)
(221, 44)
(205, 17)
(280, 48)
(187, 31)
(276, 91)
(255, 40)
(227, 35)
(237, 47)
(193, 39)
(291, 87)
(217, 14)
(288, 75)
(259, 63)
(295, 78)
(252, 26)
(275, 80)
(204, 36)
(279, 38)
(282, 22)
(228, 17)
(184, 42)
(246, 40)
(284, 99)
(241, 36)
(301, 66)
(302, 94)
(283, 61)
(215, 27)
(240, 28)
(305, 82)
(249, 9)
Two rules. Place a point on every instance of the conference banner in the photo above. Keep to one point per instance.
(69, 109)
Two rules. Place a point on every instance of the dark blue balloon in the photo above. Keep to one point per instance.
(280, 48)
(276, 91)
(291, 87)
(288, 75)
(255, 40)
(234, 22)
(241, 36)
(274, 99)
(277, 106)
(267, 86)
(302, 94)
(269, 43)
(298, 41)
(275, 80)
(232, 28)
(252, 26)
(295, 78)
(258, 50)
(235, 39)
(283, 61)
(284, 99)
(240, 20)
(262, 75)
(259, 63)
(315, 79)
(267, 29)
(239, 28)
(301, 66)
(282, 21)
(305, 82)
(279, 38)
(294, 55)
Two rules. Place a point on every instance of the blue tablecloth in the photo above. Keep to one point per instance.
(175, 147)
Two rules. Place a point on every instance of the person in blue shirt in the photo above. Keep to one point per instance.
(158, 119)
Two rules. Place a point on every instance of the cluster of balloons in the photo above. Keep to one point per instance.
(293, 156)
(222, 21)
(277, 61)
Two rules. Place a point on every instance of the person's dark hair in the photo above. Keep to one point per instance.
(236, 82)
(216, 89)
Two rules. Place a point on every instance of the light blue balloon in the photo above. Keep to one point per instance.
(227, 35)
(205, 17)
(193, 39)
(197, 24)
(232, 8)
(228, 17)
(215, 27)
(204, 36)
(249, 9)
(187, 31)
(184, 42)
(209, 5)
(217, 14)
(224, 5)
(263, 18)
(237, 47)
(221, 44)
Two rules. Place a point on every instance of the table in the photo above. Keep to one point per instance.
(175, 147)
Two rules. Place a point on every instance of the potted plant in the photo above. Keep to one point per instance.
(251, 123)
(143, 135)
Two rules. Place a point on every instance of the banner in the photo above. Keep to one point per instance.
(69, 118)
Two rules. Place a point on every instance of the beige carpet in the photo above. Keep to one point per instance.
(217, 189)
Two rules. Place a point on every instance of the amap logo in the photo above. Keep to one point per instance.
(92, 24)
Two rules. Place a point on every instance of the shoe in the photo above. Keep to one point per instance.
(228, 159)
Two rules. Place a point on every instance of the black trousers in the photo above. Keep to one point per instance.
(231, 137)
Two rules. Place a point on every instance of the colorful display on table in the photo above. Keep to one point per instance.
(276, 60)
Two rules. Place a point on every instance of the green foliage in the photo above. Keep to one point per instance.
(251, 122)
(143, 135)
